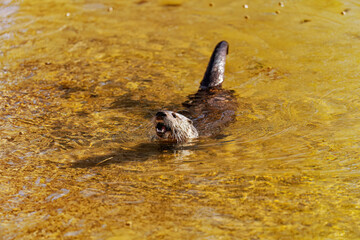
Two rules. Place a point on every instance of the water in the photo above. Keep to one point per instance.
(81, 80)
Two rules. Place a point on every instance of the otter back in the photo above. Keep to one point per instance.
(211, 110)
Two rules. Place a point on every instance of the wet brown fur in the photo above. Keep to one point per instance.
(207, 112)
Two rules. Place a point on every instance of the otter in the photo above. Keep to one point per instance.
(206, 112)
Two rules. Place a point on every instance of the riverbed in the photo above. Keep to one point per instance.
(81, 81)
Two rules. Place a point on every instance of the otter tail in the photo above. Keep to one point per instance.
(214, 75)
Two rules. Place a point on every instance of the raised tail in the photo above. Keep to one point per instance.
(214, 75)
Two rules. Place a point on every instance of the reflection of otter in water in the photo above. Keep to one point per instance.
(209, 110)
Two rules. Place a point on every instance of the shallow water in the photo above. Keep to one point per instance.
(81, 80)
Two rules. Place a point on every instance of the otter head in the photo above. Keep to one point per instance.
(174, 127)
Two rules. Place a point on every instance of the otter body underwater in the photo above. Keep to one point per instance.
(207, 112)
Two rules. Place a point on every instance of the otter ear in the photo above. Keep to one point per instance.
(190, 121)
(174, 115)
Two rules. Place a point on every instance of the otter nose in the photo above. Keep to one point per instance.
(160, 115)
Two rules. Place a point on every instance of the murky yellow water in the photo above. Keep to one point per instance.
(80, 81)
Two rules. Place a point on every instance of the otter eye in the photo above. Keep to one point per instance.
(174, 115)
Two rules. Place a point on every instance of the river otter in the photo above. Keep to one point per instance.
(207, 112)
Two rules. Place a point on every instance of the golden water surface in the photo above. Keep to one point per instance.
(81, 80)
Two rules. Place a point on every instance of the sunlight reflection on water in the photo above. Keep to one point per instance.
(80, 82)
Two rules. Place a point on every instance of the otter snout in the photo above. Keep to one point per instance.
(160, 115)
(162, 129)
